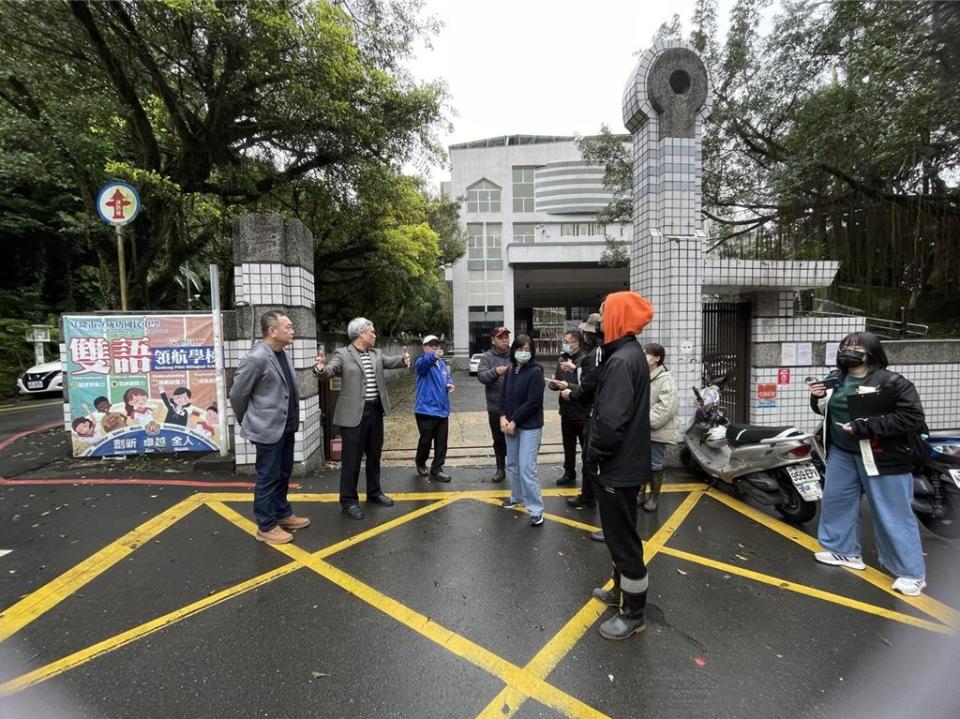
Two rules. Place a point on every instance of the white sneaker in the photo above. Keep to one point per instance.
(908, 586)
(839, 560)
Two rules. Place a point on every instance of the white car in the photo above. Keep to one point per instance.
(475, 364)
(42, 378)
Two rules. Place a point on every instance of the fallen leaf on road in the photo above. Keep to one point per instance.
(700, 661)
(680, 571)
(317, 674)
(740, 556)
(610, 676)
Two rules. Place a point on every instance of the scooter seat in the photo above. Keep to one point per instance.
(740, 434)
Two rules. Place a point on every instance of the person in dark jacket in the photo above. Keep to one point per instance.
(582, 394)
(493, 366)
(432, 408)
(573, 415)
(873, 456)
(618, 456)
(521, 420)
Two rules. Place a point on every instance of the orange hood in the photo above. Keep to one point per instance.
(625, 313)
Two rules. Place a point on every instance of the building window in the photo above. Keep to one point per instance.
(523, 189)
(494, 240)
(523, 233)
(475, 241)
(581, 229)
(483, 196)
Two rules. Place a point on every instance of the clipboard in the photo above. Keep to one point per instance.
(871, 404)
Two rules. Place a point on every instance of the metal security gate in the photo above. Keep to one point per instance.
(726, 351)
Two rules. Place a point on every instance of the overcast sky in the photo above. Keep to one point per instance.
(539, 67)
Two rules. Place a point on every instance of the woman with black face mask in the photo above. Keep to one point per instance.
(872, 455)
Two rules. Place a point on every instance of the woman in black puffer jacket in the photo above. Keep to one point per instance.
(872, 455)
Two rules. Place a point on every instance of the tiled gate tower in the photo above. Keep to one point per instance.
(273, 270)
(665, 102)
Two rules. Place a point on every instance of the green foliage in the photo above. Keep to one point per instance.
(211, 109)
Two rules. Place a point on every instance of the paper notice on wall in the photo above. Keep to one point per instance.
(788, 354)
(830, 355)
(804, 354)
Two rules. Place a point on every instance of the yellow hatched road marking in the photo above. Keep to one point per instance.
(331, 497)
(809, 591)
(515, 677)
(509, 700)
(115, 642)
(927, 605)
(18, 615)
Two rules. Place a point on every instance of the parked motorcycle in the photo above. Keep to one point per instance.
(771, 465)
(936, 487)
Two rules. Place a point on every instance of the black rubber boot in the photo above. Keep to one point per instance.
(629, 621)
(656, 483)
(501, 468)
(610, 597)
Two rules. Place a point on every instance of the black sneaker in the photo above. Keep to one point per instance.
(422, 471)
(536, 520)
(509, 503)
(581, 502)
(568, 478)
(439, 476)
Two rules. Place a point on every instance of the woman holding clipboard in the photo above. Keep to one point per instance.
(872, 419)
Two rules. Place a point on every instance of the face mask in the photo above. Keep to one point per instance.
(566, 348)
(522, 357)
(848, 358)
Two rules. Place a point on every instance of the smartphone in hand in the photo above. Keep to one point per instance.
(831, 382)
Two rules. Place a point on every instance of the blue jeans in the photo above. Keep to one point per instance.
(522, 450)
(274, 467)
(657, 450)
(894, 524)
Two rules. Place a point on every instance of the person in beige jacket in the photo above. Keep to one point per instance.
(664, 418)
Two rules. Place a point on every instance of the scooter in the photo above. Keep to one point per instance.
(771, 465)
(936, 487)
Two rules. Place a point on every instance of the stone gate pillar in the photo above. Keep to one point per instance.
(666, 99)
(273, 270)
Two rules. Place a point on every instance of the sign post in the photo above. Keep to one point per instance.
(38, 335)
(118, 203)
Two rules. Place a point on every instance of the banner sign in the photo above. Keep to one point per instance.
(139, 384)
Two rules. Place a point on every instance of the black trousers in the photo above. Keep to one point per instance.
(433, 431)
(588, 487)
(618, 517)
(364, 440)
(573, 431)
(499, 441)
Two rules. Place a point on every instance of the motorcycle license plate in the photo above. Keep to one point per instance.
(806, 479)
(34, 385)
(955, 476)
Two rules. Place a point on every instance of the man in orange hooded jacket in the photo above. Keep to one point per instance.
(618, 456)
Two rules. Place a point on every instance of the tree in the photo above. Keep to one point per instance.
(211, 107)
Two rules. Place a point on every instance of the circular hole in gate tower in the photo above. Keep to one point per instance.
(679, 81)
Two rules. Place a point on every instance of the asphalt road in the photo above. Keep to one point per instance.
(124, 599)
(29, 413)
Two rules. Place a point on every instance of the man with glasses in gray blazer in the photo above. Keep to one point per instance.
(265, 402)
(362, 403)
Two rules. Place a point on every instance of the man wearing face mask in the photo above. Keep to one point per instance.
(618, 456)
(573, 415)
(872, 455)
(582, 394)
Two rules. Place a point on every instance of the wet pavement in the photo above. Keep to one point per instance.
(154, 600)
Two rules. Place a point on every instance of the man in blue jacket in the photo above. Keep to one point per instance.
(432, 408)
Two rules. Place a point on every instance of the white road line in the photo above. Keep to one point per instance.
(5, 551)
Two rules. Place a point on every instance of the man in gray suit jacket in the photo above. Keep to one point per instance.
(265, 402)
(362, 403)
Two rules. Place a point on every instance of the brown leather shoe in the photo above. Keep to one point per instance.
(277, 535)
(294, 522)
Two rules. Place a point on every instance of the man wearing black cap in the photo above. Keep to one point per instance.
(493, 366)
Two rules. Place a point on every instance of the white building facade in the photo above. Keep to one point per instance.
(529, 207)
